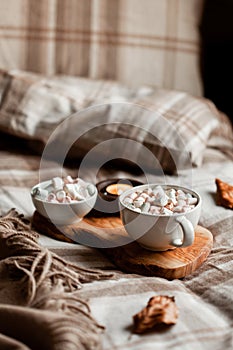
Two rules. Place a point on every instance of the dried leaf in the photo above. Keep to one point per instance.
(224, 194)
(160, 310)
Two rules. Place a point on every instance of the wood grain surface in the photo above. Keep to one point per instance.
(108, 235)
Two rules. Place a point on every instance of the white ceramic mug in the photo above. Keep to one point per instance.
(161, 232)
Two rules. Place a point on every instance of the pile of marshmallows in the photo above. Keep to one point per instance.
(65, 190)
(160, 201)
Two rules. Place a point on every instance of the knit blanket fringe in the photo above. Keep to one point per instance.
(49, 283)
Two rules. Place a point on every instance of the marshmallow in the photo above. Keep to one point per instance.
(65, 191)
(159, 201)
(81, 191)
(178, 209)
(70, 190)
(154, 210)
(192, 200)
(145, 208)
(139, 202)
(171, 193)
(181, 202)
(166, 211)
(128, 200)
(180, 192)
(80, 182)
(133, 195)
(144, 195)
(181, 197)
(57, 183)
(68, 180)
(51, 197)
(60, 195)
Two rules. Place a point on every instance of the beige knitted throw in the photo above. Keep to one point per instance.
(44, 313)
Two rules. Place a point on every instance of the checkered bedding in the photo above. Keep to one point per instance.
(80, 38)
(204, 299)
(154, 42)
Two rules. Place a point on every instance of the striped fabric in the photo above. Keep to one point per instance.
(204, 299)
(162, 128)
(154, 42)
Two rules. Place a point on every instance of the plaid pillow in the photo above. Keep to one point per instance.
(162, 130)
(176, 127)
(153, 128)
(33, 105)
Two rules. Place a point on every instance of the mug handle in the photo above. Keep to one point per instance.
(188, 233)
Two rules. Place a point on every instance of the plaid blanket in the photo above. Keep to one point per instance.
(144, 41)
(31, 107)
(204, 299)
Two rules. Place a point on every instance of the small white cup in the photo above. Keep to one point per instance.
(161, 232)
(62, 213)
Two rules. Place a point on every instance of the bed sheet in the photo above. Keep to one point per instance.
(204, 299)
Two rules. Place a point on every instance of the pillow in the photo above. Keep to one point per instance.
(174, 126)
(192, 124)
(32, 105)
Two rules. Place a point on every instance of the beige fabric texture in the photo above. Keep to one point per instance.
(170, 129)
(46, 314)
(204, 298)
(153, 42)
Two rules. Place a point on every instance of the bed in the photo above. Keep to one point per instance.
(204, 298)
(60, 295)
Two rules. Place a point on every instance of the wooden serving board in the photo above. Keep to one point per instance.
(108, 235)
